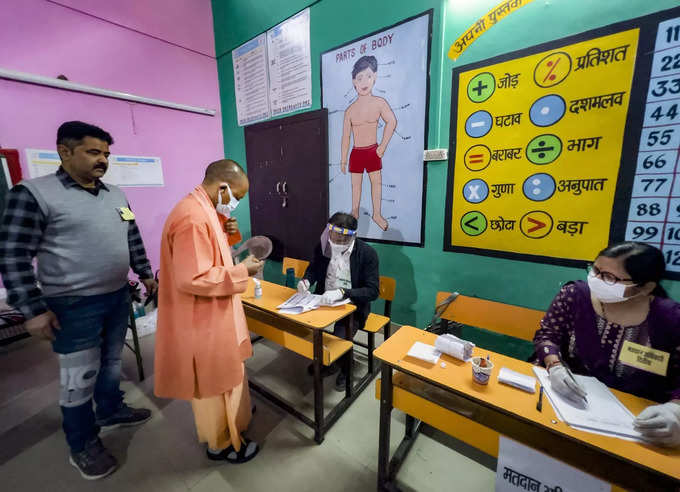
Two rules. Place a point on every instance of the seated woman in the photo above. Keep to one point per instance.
(588, 323)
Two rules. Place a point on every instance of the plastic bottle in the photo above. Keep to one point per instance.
(258, 288)
(138, 309)
(290, 278)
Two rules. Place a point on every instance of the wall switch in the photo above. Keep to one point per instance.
(436, 155)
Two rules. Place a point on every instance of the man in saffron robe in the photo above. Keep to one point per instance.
(202, 338)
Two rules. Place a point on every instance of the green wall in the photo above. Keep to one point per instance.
(421, 272)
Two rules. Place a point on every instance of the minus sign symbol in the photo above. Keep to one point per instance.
(477, 124)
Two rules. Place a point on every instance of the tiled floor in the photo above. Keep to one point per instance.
(163, 454)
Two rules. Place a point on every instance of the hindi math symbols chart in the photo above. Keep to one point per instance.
(538, 142)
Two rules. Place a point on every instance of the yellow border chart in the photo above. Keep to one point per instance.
(538, 144)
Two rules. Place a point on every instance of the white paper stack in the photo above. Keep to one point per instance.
(424, 352)
(516, 379)
(454, 346)
(301, 303)
(604, 413)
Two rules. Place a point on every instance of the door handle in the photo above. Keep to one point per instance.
(284, 187)
(278, 187)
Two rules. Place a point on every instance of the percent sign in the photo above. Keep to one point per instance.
(552, 69)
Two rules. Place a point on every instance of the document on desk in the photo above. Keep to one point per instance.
(603, 414)
(301, 303)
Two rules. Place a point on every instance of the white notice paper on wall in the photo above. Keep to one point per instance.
(124, 170)
(523, 468)
(251, 83)
(42, 162)
(290, 65)
(129, 170)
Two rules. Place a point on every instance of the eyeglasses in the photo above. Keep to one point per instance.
(607, 278)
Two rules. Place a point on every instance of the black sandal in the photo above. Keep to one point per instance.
(248, 451)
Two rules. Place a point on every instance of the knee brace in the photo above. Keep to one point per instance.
(78, 376)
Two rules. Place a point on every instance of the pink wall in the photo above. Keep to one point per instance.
(49, 39)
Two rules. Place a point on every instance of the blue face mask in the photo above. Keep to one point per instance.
(226, 208)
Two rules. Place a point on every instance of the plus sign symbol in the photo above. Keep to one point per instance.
(481, 87)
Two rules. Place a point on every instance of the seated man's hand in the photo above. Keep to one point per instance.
(43, 325)
(303, 286)
(564, 385)
(660, 424)
(331, 296)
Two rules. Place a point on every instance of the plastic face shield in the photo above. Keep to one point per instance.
(336, 234)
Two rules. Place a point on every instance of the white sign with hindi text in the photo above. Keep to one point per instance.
(124, 170)
(523, 468)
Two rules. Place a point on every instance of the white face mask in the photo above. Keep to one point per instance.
(607, 293)
(337, 249)
(226, 208)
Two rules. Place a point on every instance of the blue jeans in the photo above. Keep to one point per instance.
(91, 325)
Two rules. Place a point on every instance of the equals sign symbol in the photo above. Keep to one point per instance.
(476, 158)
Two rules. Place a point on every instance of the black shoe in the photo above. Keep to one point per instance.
(125, 417)
(94, 462)
(340, 382)
(325, 370)
(247, 452)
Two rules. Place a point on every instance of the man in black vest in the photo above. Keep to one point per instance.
(344, 267)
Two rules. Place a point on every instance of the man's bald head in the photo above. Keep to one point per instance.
(224, 170)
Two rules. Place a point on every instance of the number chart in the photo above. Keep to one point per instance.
(654, 211)
(560, 149)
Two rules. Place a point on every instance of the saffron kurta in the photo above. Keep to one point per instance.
(202, 336)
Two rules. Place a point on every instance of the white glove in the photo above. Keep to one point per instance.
(303, 286)
(331, 296)
(561, 381)
(660, 424)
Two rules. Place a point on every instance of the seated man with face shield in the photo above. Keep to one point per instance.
(344, 267)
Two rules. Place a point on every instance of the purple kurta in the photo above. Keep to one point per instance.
(591, 345)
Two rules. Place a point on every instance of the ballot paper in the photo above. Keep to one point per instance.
(516, 379)
(425, 352)
(301, 303)
(603, 413)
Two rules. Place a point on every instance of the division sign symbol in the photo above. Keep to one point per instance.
(544, 149)
(541, 149)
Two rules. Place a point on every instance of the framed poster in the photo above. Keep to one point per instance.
(376, 89)
(563, 148)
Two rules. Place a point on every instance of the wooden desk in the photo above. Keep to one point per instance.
(264, 310)
(513, 413)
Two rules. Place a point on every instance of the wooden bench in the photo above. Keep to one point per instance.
(299, 266)
(376, 322)
(299, 340)
(497, 317)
